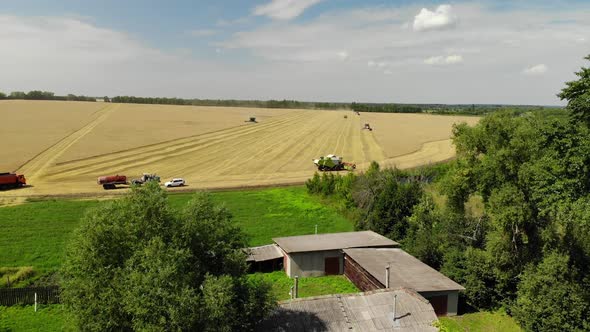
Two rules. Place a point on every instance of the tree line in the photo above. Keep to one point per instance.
(526, 245)
(44, 95)
(478, 110)
(231, 102)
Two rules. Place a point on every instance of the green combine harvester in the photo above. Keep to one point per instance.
(333, 163)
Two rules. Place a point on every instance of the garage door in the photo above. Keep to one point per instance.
(332, 265)
(439, 303)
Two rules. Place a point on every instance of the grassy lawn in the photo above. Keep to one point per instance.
(480, 322)
(313, 286)
(35, 234)
(24, 318)
(53, 317)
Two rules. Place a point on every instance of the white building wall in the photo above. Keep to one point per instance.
(311, 264)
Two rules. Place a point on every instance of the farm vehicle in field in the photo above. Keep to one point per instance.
(111, 181)
(368, 127)
(333, 163)
(11, 180)
(146, 177)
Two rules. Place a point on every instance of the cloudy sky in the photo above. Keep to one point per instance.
(509, 52)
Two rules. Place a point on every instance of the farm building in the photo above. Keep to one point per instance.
(362, 257)
(367, 269)
(265, 258)
(382, 310)
(321, 254)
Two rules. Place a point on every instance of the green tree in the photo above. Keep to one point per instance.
(387, 198)
(425, 237)
(17, 95)
(549, 298)
(136, 265)
(577, 94)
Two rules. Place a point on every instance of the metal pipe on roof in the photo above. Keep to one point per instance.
(387, 276)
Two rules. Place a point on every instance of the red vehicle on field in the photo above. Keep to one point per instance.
(11, 180)
(111, 181)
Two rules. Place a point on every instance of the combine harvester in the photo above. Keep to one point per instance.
(332, 162)
(11, 180)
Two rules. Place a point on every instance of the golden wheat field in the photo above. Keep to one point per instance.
(62, 147)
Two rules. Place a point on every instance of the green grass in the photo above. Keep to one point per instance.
(17, 276)
(53, 317)
(24, 318)
(312, 286)
(480, 322)
(35, 234)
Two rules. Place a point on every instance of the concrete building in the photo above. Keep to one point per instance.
(367, 269)
(362, 257)
(321, 254)
(382, 310)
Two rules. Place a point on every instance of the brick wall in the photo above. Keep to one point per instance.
(359, 276)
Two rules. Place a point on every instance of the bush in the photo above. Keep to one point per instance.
(550, 299)
(135, 265)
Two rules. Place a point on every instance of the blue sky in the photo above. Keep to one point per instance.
(332, 50)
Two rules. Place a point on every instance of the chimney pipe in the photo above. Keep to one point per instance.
(387, 276)
(296, 291)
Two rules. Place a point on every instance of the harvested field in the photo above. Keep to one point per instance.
(30, 127)
(215, 148)
(133, 125)
(401, 134)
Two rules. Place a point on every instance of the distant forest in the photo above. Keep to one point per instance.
(459, 109)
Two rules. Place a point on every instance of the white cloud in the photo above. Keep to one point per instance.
(284, 9)
(229, 23)
(300, 59)
(202, 32)
(444, 60)
(539, 69)
(441, 18)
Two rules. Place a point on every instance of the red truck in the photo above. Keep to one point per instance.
(111, 181)
(11, 180)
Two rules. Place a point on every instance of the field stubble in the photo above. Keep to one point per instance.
(215, 148)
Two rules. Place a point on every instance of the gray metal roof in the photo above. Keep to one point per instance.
(405, 270)
(263, 253)
(333, 241)
(371, 311)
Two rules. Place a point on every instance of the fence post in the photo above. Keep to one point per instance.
(35, 301)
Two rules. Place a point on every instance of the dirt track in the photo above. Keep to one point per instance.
(277, 150)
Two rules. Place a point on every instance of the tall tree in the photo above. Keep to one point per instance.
(577, 94)
(550, 298)
(136, 265)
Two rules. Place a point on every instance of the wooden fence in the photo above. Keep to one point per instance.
(24, 296)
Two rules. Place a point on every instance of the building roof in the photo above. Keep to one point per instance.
(333, 241)
(263, 253)
(370, 311)
(405, 270)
